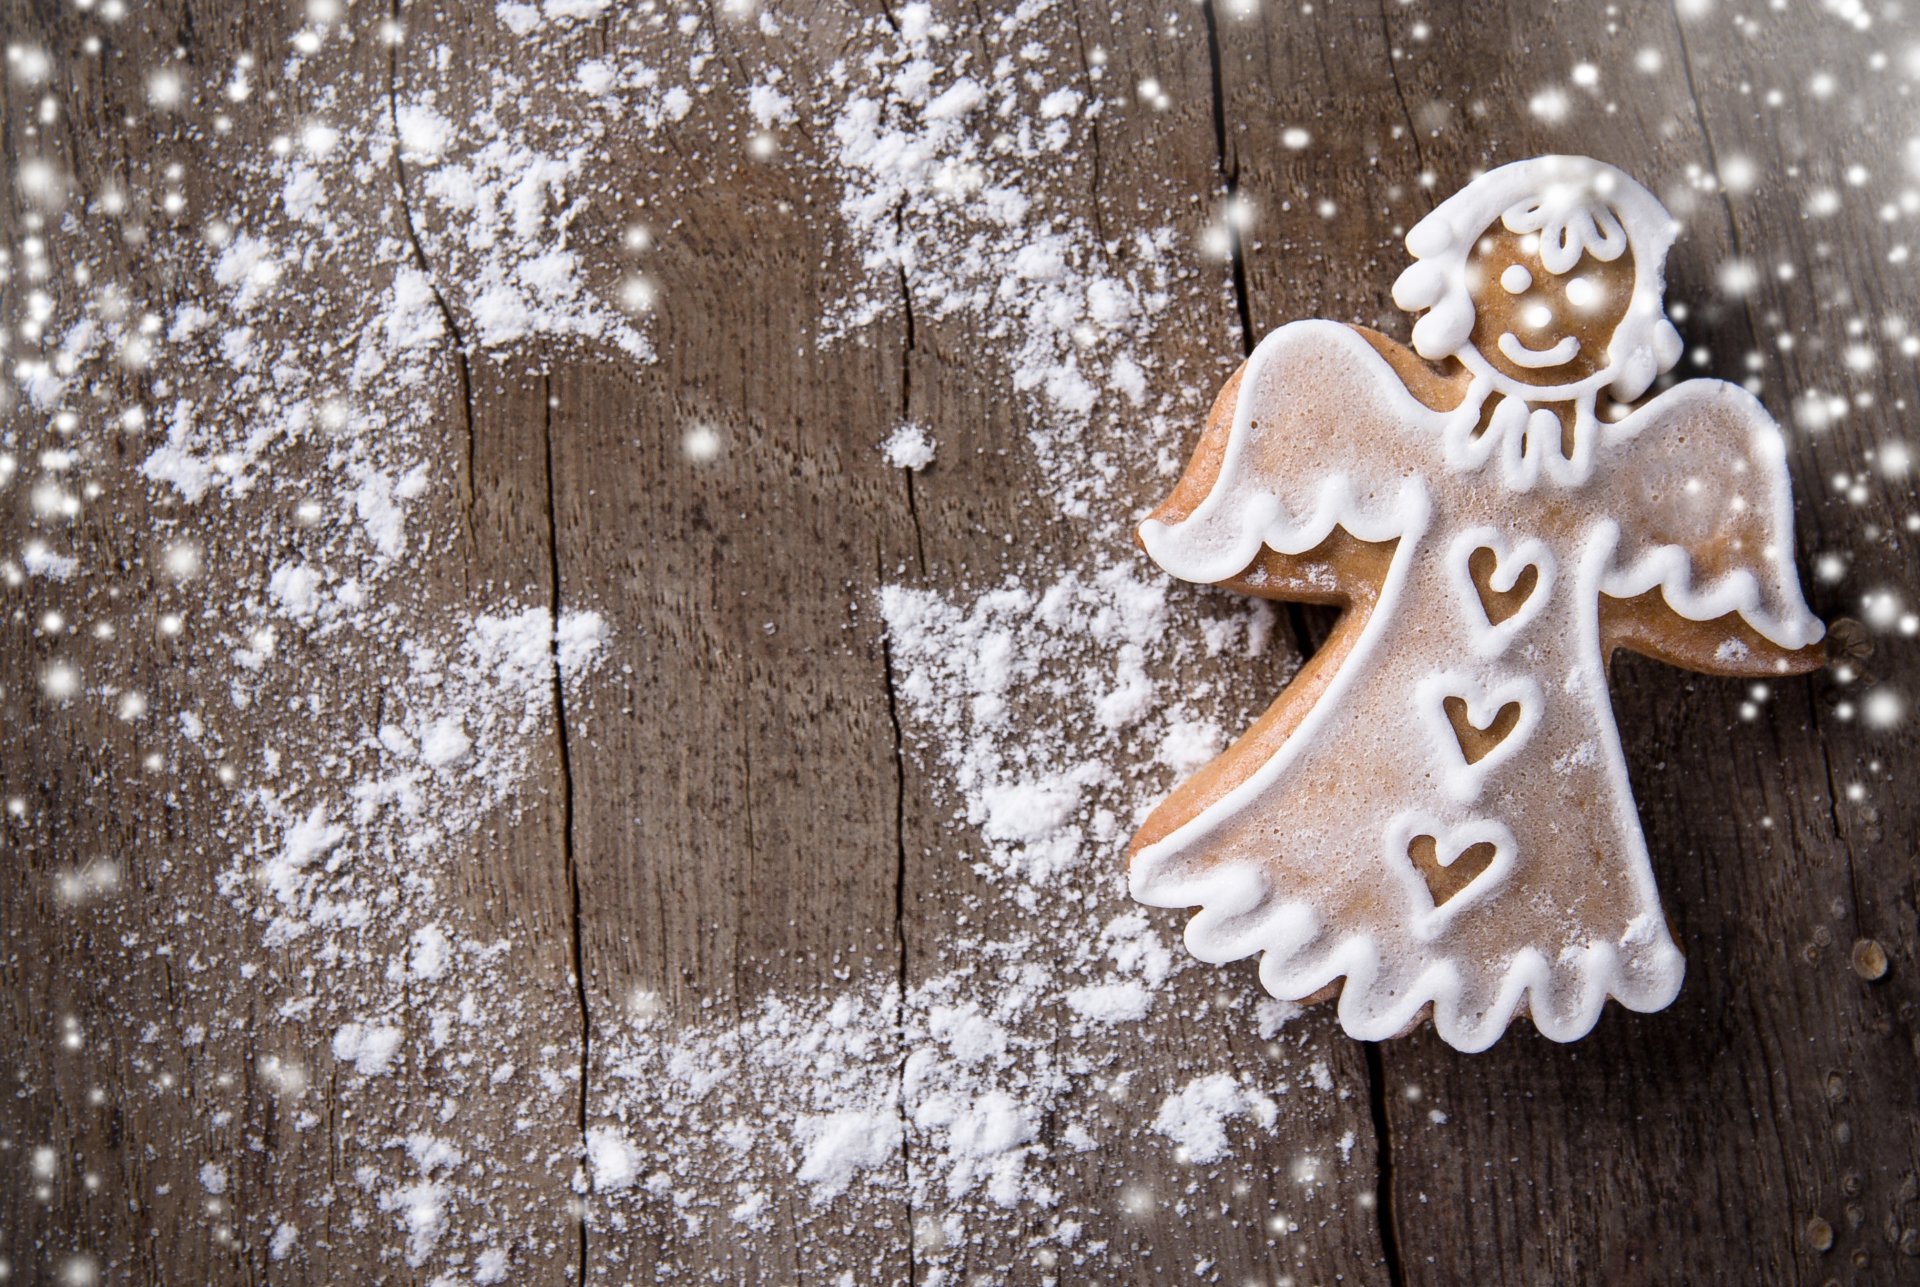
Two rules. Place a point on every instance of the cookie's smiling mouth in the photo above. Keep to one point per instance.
(1536, 359)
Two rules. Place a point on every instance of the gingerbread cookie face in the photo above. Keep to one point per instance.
(1539, 326)
(1434, 818)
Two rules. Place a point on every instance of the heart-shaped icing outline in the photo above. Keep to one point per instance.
(1465, 781)
(1509, 561)
(1427, 921)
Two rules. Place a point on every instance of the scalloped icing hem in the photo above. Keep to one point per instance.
(1234, 919)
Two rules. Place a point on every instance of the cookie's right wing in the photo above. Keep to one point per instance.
(1314, 432)
(1704, 504)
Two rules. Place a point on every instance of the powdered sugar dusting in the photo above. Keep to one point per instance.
(909, 446)
(1196, 1116)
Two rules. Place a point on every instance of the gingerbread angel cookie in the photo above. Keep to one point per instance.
(1434, 816)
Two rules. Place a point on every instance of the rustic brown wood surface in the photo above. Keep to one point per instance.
(739, 805)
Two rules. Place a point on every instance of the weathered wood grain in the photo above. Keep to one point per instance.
(735, 811)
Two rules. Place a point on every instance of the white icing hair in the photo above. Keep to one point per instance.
(1577, 206)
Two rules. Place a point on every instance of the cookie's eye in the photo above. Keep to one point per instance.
(1516, 279)
(1582, 292)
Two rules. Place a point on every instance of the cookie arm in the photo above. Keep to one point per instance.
(1725, 645)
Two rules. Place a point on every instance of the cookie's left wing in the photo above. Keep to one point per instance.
(1314, 433)
(1700, 491)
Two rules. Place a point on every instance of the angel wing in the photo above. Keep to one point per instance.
(1317, 431)
(1310, 471)
(1703, 562)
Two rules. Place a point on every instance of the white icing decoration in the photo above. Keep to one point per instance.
(1689, 495)
(1516, 279)
(1428, 921)
(1509, 564)
(1561, 352)
(1526, 442)
(1571, 215)
(1576, 205)
(1464, 781)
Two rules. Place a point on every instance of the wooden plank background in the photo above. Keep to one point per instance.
(739, 805)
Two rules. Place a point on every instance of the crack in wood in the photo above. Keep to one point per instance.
(462, 367)
(1713, 163)
(1230, 176)
(564, 747)
(1093, 135)
(900, 919)
(1383, 1165)
(906, 411)
(1833, 815)
(1393, 74)
(909, 343)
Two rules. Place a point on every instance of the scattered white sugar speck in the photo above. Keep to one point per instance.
(370, 1048)
(39, 559)
(421, 1210)
(596, 76)
(1190, 744)
(751, 1209)
(612, 1161)
(578, 637)
(1196, 1117)
(701, 443)
(1112, 1002)
(491, 1266)
(1062, 102)
(909, 446)
(519, 18)
(413, 319)
(428, 959)
(296, 588)
(285, 1237)
(445, 743)
(1272, 1014)
(841, 1145)
(769, 106)
(424, 133)
(956, 100)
